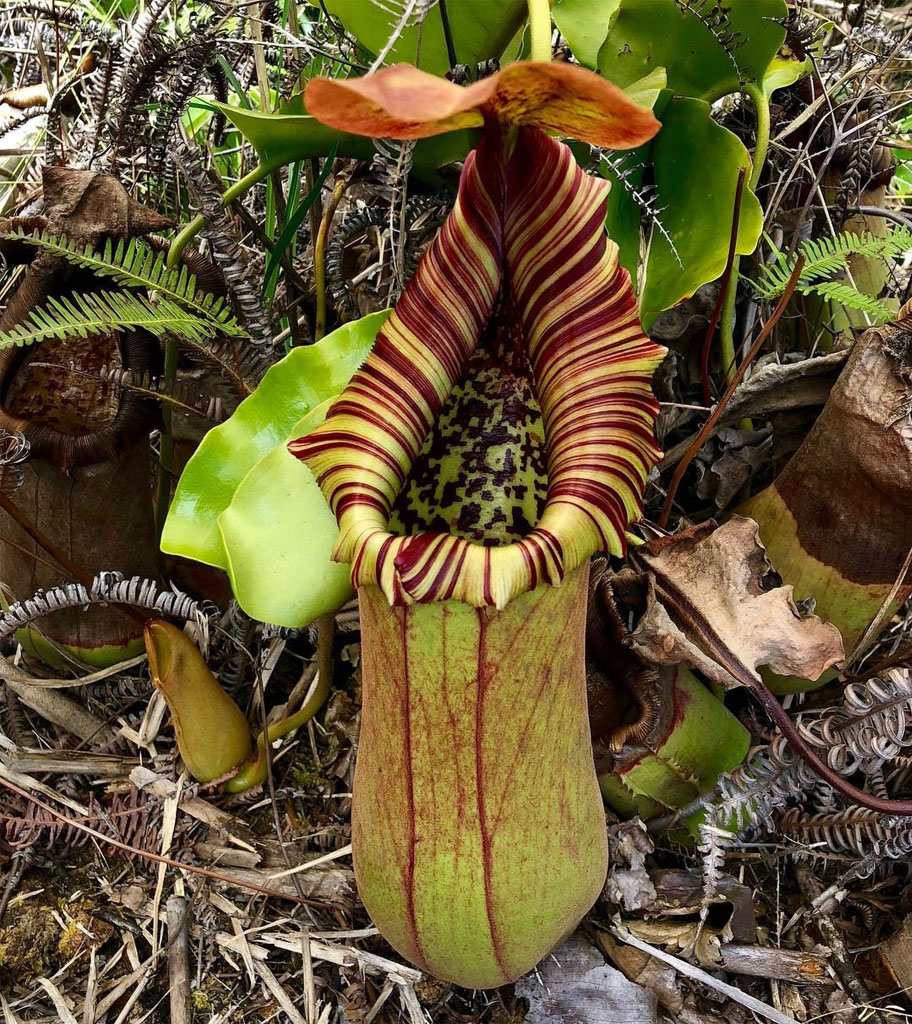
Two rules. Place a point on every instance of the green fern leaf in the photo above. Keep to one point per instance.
(102, 312)
(852, 298)
(825, 257)
(135, 264)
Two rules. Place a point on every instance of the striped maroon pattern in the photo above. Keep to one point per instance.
(528, 219)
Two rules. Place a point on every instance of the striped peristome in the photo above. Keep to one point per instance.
(529, 220)
(499, 433)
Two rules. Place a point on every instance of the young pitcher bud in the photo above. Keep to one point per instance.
(212, 733)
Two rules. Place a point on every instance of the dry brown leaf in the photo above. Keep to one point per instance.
(89, 206)
(691, 937)
(708, 608)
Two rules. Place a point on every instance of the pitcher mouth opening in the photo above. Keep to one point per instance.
(524, 247)
(482, 472)
(501, 430)
(69, 419)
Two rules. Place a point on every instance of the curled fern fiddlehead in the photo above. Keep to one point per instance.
(109, 588)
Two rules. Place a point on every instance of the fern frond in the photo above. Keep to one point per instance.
(826, 256)
(135, 264)
(104, 312)
(852, 298)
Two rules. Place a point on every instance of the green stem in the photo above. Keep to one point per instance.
(178, 244)
(761, 105)
(727, 317)
(253, 773)
(540, 30)
(187, 233)
(319, 259)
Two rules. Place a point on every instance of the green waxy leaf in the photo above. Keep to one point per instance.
(288, 134)
(585, 24)
(618, 38)
(300, 382)
(704, 56)
(696, 172)
(282, 137)
(622, 214)
(646, 91)
(704, 51)
(278, 534)
(480, 30)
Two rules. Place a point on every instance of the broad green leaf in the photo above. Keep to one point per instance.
(283, 136)
(646, 91)
(622, 217)
(304, 379)
(702, 59)
(480, 29)
(278, 534)
(584, 24)
(696, 165)
(784, 69)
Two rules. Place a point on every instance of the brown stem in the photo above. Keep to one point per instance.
(326, 632)
(839, 955)
(178, 917)
(729, 391)
(885, 705)
(319, 261)
(315, 213)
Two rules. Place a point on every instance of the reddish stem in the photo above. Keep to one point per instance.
(781, 717)
(729, 391)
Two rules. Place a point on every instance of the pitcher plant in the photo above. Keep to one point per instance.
(499, 434)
